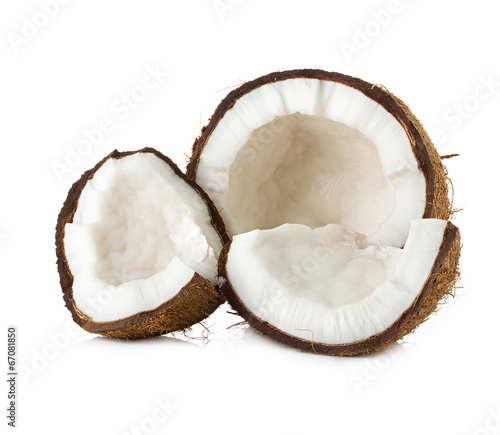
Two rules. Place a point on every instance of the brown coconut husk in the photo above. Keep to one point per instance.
(194, 302)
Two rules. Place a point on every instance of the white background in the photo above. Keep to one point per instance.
(69, 73)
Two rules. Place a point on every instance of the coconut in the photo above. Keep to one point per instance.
(137, 244)
(329, 291)
(322, 179)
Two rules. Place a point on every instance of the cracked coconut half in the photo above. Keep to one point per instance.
(337, 205)
(137, 247)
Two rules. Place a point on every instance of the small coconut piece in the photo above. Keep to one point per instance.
(137, 244)
(329, 291)
(321, 179)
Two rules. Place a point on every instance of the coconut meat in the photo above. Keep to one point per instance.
(312, 152)
(139, 234)
(330, 284)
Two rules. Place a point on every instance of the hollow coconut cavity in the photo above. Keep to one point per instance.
(137, 247)
(321, 179)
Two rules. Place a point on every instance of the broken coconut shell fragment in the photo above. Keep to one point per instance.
(322, 179)
(330, 292)
(137, 244)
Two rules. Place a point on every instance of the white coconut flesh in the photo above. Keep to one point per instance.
(138, 235)
(330, 285)
(312, 152)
